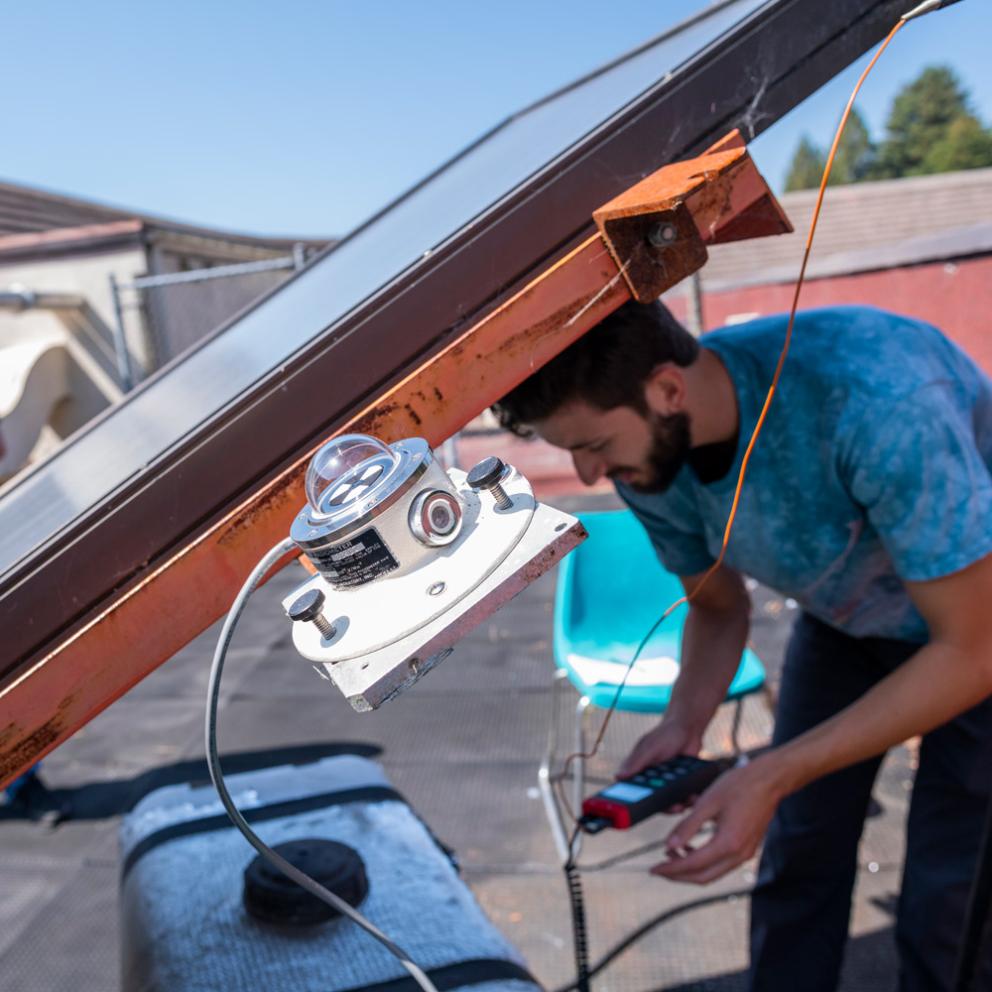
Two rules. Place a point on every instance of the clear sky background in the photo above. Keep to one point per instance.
(304, 117)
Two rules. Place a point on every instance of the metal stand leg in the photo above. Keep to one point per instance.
(579, 765)
(545, 780)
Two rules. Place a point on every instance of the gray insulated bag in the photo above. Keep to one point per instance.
(199, 916)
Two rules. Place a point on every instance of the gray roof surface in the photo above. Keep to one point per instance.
(463, 747)
(864, 226)
(26, 210)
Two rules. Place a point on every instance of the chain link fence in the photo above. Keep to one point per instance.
(161, 316)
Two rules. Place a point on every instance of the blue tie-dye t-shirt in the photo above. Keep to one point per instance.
(874, 466)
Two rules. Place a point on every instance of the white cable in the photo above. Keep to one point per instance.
(216, 775)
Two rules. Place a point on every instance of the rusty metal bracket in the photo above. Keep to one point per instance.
(658, 230)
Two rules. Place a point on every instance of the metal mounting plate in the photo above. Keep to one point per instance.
(650, 269)
(370, 679)
(372, 616)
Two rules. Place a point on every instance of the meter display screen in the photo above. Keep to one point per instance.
(624, 792)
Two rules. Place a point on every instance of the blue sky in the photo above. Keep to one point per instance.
(305, 117)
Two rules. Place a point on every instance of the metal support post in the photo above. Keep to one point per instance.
(546, 776)
(695, 300)
(125, 371)
(299, 256)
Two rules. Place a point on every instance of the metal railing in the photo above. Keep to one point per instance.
(173, 315)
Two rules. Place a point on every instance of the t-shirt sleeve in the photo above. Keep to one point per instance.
(916, 469)
(680, 545)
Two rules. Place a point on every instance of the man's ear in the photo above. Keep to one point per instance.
(665, 390)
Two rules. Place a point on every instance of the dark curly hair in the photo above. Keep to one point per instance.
(606, 367)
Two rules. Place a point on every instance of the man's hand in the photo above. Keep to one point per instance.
(712, 641)
(740, 805)
(668, 739)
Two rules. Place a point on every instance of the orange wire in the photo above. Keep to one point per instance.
(761, 416)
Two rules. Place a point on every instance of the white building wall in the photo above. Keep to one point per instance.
(88, 275)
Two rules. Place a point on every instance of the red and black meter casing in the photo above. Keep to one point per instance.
(653, 790)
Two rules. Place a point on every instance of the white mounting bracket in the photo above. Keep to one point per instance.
(391, 632)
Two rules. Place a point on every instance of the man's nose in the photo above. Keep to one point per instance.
(588, 467)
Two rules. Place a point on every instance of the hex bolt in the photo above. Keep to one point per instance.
(487, 475)
(309, 607)
(663, 234)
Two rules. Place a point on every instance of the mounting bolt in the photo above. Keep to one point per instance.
(309, 607)
(663, 234)
(487, 475)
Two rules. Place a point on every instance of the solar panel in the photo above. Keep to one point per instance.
(218, 421)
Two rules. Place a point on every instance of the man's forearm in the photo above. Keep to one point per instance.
(712, 644)
(935, 685)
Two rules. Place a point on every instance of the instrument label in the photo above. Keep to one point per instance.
(355, 562)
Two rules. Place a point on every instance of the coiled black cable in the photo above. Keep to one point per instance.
(580, 935)
(646, 928)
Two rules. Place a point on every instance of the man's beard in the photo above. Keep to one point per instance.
(670, 445)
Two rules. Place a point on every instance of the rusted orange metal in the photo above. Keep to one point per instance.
(178, 598)
(658, 230)
(183, 596)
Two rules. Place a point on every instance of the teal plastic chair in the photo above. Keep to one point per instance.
(611, 590)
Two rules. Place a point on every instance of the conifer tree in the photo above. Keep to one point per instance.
(931, 129)
(806, 167)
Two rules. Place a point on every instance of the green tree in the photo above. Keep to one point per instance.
(852, 163)
(855, 154)
(931, 128)
(806, 168)
(966, 145)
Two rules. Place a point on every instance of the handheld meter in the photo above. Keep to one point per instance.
(653, 790)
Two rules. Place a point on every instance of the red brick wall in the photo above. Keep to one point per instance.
(954, 296)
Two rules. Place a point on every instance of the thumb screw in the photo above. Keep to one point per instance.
(310, 606)
(487, 475)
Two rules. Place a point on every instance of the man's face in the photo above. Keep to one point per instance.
(644, 453)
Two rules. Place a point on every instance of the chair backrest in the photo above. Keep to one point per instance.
(612, 588)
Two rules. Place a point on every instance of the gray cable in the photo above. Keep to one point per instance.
(216, 775)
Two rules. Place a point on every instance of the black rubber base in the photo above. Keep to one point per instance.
(273, 898)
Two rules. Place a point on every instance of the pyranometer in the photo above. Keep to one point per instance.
(409, 557)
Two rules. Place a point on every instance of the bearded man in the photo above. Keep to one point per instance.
(868, 500)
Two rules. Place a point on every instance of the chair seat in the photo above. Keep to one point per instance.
(649, 686)
(611, 590)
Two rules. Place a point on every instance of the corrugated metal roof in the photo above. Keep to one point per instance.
(857, 219)
(24, 210)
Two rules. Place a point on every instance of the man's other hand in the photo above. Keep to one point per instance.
(739, 805)
(667, 740)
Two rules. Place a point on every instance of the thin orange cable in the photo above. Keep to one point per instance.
(761, 416)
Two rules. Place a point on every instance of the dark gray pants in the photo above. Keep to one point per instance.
(801, 903)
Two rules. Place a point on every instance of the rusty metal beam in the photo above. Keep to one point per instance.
(112, 650)
(99, 662)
